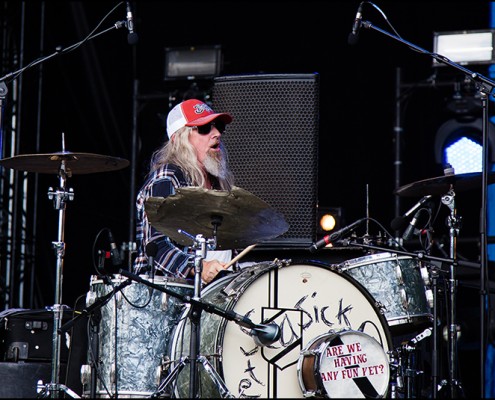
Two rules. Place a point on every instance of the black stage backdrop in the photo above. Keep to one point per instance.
(87, 95)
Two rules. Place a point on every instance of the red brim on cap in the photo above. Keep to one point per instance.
(204, 120)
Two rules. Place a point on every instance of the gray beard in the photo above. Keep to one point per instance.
(215, 165)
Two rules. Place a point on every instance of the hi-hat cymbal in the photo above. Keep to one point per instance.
(75, 163)
(442, 184)
(244, 219)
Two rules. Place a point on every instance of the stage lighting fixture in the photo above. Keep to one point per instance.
(193, 62)
(330, 219)
(458, 142)
(465, 47)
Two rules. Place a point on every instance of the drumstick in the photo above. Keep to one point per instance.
(239, 256)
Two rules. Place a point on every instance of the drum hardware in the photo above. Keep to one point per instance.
(64, 164)
(446, 187)
(454, 225)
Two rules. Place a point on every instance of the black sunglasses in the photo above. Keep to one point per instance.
(205, 129)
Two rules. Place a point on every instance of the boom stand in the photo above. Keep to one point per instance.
(60, 196)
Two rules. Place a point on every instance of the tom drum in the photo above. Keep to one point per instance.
(135, 328)
(401, 286)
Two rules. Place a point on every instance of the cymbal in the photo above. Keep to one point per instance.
(441, 185)
(244, 219)
(75, 163)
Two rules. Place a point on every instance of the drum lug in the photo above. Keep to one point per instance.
(85, 374)
(398, 274)
(403, 298)
(429, 297)
(118, 299)
(112, 375)
(425, 275)
(164, 302)
(90, 298)
(158, 374)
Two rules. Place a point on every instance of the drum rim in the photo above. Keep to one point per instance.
(376, 257)
(157, 279)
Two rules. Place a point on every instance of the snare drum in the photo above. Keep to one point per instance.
(305, 300)
(401, 286)
(135, 328)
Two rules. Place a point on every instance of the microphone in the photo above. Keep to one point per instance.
(334, 236)
(151, 250)
(114, 251)
(400, 222)
(410, 345)
(265, 335)
(409, 232)
(132, 37)
(353, 36)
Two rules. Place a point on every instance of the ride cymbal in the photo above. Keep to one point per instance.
(75, 163)
(241, 218)
(441, 185)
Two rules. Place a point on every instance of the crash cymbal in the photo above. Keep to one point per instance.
(441, 184)
(75, 163)
(244, 219)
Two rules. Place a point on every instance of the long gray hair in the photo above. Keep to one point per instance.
(181, 153)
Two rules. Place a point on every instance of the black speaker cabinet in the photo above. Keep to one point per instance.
(20, 380)
(272, 144)
(27, 335)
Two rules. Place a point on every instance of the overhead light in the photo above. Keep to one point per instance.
(464, 47)
(193, 62)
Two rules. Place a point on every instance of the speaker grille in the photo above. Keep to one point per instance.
(273, 144)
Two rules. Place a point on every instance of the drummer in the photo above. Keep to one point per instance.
(193, 155)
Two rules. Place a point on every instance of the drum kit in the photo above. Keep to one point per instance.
(321, 330)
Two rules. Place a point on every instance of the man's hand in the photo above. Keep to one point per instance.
(211, 270)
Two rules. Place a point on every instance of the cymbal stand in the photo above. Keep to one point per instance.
(200, 244)
(454, 224)
(195, 317)
(60, 196)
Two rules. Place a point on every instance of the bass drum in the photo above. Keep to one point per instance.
(305, 300)
(136, 325)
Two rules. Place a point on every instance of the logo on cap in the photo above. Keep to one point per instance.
(202, 107)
